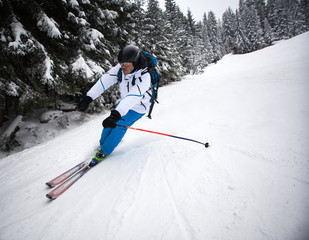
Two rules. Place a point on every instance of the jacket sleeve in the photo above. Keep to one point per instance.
(106, 80)
(135, 94)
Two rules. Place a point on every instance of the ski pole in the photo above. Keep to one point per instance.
(164, 134)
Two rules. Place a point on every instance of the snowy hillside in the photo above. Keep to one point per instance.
(251, 183)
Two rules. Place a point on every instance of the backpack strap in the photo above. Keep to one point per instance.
(119, 75)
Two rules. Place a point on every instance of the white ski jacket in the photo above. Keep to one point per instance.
(134, 96)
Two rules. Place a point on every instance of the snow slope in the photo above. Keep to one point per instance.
(251, 183)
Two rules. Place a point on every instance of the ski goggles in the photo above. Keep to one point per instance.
(125, 64)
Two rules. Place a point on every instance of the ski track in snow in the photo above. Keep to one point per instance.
(251, 183)
(182, 221)
(125, 202)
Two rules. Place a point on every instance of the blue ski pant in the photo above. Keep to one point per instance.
(111, 137)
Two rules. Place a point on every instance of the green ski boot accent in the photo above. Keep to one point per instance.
(99, 156)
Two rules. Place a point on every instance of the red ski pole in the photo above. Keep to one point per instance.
(164, 134)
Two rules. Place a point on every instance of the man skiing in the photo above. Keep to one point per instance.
(135, 95)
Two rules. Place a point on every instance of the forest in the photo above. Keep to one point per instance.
(53, 51)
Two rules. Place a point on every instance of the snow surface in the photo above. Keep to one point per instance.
(251, 183)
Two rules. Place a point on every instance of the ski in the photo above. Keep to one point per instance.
(64, 176)
(56, 192)
(79, 171)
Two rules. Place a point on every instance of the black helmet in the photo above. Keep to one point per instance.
(128, 54)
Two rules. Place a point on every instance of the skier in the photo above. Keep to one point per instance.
(135, 95)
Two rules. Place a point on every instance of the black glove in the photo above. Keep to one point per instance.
(110, 122)
(84, 103)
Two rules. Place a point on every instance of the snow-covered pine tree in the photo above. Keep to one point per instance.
(199, 48)
(214, 37)
(272, 14)
(304, 6)
(228, 30)
(155, 40)
(153, 27)
(190, 54)
(255, 34)
(260, 8)
(207, 50)
(173, 68)
(268, 33)
(137, 23)
(296, 18)
(242, 43)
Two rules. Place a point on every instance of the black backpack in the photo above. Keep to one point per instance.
(155, 78)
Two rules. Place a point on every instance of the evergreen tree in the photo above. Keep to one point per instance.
(304, 8)
(188, 54)
(282, 29)
(153, 27)
(214, 38)
(192, 54)
(200, 49)
(260, 7)
(272, 15)
(251, 24)
(229, 29)
(207, 50)
(174, 41)
(297, 19)
(278, 18)
(137, 20)
(242, 43)
(181, 38)
(268, 33)
(255, 33)
(158, 41)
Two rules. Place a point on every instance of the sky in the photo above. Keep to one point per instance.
(199, 7)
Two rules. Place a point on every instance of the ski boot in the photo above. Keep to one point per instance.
(97, 158)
